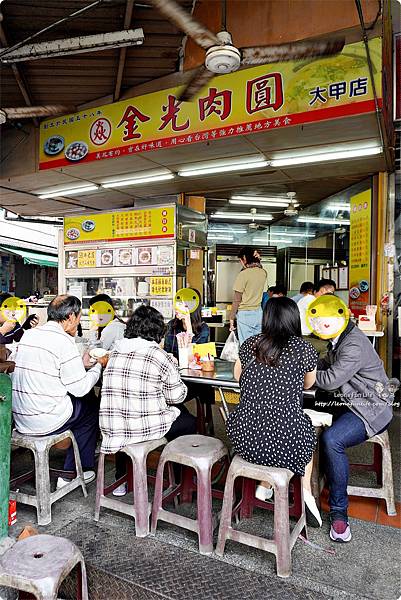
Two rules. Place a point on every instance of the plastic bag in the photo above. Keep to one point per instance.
(231, 348)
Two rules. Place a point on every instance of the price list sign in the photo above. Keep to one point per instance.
(360, 252)
(138, 224)
(161, 286)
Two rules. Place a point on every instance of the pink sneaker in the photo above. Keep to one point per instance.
(340, 530)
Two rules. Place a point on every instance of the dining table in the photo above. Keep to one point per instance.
(222, 379)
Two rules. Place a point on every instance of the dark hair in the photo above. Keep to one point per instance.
(307, 286)
(4, 296)
(281, 321)
(196, 317)
(279, 288)
(61, 307)
(248, 254)
(324, 283)
(101, 298)
(146, 323)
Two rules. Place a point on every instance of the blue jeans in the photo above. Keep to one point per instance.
(346, 431)
(249, 323)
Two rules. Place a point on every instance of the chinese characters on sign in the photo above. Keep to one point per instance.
(124, 225)
(240, 103)
(86, 259)
(356, 87)
(265, 92)
(360, 248)
(161, 286)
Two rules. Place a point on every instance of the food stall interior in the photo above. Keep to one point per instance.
(136, 256)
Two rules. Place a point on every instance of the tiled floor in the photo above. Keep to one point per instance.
(368, 509)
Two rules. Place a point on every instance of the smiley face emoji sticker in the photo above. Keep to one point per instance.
(101, 314)
(327, 317)
(186, 300)
(13, 309)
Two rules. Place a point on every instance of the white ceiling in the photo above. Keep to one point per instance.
(312, 182)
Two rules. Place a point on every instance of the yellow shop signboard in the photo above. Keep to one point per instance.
(247, 101)
(120, 226)
(359, 253)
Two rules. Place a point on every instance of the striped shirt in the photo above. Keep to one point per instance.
(48, 367)
(140, 383)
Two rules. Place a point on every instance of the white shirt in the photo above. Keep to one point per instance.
(303, 307)
(111, 333)
(48, 367)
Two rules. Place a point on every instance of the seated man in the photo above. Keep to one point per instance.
(362, 408)
(49, 383)
(324, 286)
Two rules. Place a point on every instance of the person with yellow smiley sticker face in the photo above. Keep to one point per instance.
(13, 321)
(103, 319)
(351, 375)
(188, 317)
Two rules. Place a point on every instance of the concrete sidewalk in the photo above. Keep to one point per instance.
(168, 565)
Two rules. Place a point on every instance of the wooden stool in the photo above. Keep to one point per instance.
(284, 539)
(382, 466)
(39, 564)
(201, 453)
(141, 509)
(40, 446)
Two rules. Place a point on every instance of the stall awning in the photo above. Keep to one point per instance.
(33, 258)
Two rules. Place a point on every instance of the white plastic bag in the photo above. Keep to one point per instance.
(231, 348)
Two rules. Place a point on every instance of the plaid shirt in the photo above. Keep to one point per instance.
(140, 383)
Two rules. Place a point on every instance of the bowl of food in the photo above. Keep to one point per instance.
(88, 225)
(53, 145)
(97, 353)
(106, 258)
(73, 233)
(76, 151)
(354, 293)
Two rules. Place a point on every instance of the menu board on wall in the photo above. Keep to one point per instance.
(360, 250)
(161, 286)
(138, 224)
(164, 306)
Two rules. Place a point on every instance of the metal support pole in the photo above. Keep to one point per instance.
(5, 447)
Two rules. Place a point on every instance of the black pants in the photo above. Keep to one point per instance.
(205, 393)
(185, 424)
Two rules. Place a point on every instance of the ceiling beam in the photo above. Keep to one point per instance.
(18, 75)
(123, 51)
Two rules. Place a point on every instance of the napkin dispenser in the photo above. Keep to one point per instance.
(368, 322)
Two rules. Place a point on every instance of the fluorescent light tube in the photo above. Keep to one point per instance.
(286, 233)
(325, 156)
(227, 215)
(137, 180)
(272, 241)
(227, 238)
(260, 199)
(266, 202)
(323, 220)
(228, 230)
(75, 45)
(69, 192)
(333, 206)
(223, 168)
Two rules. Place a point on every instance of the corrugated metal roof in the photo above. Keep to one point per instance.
(83, 78)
